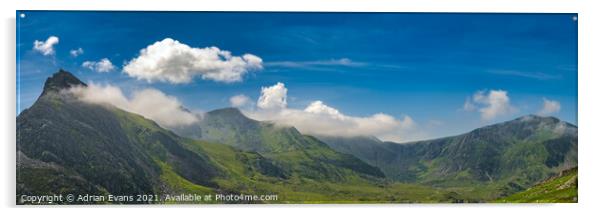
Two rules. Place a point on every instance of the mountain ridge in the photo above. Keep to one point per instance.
(68, 145)
(65, 145)
(101, 147)
(523, 150)
(231, 127)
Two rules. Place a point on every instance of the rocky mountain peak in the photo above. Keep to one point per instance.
(61, 80)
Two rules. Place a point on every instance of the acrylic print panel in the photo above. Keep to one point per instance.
(246, 107)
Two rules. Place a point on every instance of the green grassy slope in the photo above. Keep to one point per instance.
(38, 177)
(559, 189)
(81, 147)
(507, 157)
(296, 153)
(243, 175)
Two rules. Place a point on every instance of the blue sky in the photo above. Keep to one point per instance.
(427, 66)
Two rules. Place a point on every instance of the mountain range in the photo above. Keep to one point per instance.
(511, 155)
(65, 145)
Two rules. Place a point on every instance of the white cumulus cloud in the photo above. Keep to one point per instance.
(153, 104)
(490, 104)
(76, 52)
(320, 119)
(273, 97)
(102, 66)
(46, 47)
(549, 107)
(239, 100)
(171, 61)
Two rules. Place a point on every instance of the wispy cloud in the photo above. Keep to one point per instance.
(303, 64)
(151, 103)
(240, 100)
(76, 52)
(102, 66)
(549, 107)
(331, 64)
(526, 74)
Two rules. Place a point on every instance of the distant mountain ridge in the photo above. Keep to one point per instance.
(521, 151)
(512, 155)
(286, 145)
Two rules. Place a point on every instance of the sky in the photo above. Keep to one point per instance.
(396, 76)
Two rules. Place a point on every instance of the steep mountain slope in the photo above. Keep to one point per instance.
(558, 189)
(518, 152)
(93, 148)
(65, 146)
(368, 149)
(299, 154)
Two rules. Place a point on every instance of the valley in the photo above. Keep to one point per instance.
(65, 145)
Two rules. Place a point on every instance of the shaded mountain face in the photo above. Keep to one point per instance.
(300, 154)
(65, 145)
(61, 80)
(522, 151)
